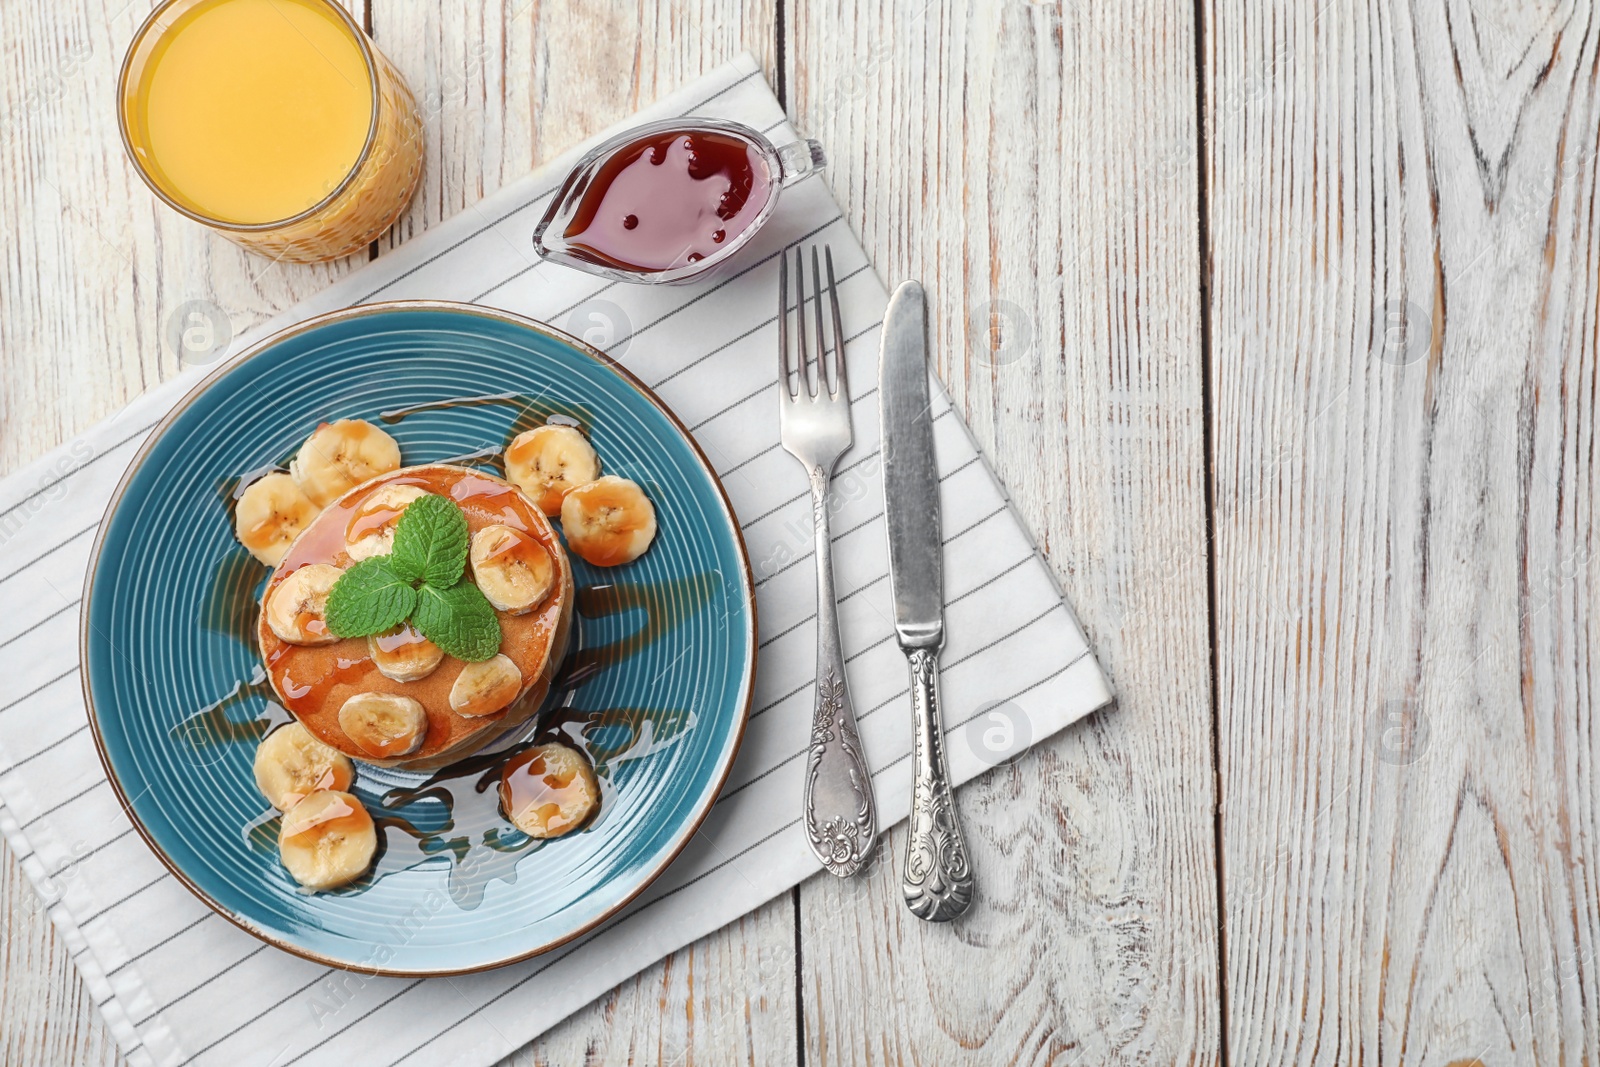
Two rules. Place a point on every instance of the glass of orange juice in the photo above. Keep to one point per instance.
(276, 123)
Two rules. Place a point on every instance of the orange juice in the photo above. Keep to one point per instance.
(275, 122)
(255, 110)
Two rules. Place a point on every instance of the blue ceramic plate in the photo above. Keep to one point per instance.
(176, 695)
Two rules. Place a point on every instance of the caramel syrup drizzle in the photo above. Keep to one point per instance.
(426, 812)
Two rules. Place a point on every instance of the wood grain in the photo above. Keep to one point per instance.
(1035, 167)
(46, 1015)
(1405, 249)
(1400, 230)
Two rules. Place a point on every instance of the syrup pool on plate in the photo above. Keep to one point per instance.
(670, 199)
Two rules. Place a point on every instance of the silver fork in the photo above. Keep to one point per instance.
(841, 819)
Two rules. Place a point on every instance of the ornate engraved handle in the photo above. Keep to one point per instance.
(937, 881)
(841, 820)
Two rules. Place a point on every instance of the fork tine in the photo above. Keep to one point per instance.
(822, 340)
(841, 381)
(783, 328)
(804, 357)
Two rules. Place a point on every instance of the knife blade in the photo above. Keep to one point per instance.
(936, 880)
(910, 473)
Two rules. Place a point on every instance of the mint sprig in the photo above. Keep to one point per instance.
(369, 598)
(430, 542)
(421, 581)
(458, 620)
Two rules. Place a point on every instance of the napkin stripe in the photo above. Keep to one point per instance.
(847, 469)
(124, 832)
(159, 878)
(885, 703)
(262, 1014)
(758, 327)
(39, 689)
(885, 639)
(262, 947)
(882, 578)
(768, 388)
(35, 755)
(770, 320)
(49, 551)
(59, 611)
(792, 627)
(79, 795)
(85, 465)
(164, 941)
(868, 521)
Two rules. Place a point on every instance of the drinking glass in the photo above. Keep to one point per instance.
(358, 207)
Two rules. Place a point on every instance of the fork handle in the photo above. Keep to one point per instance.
(841, 819)
(937, 880)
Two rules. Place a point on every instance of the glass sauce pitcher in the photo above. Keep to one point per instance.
(670, 201)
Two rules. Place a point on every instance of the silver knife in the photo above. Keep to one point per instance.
(937, 879)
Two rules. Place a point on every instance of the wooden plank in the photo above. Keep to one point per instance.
(48, 1017)
(1405, 245)
(1035, 166)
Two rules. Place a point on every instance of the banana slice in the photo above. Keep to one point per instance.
(384, 725)
(340, 455)
(296, 610)
(403, 655)
(549, 791)
(371, 529)
(609, 521)
(291, 765)
(327, 840)
(484, 688)
(270, 514)
(548, 461)
(513, 571)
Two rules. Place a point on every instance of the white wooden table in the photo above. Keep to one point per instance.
(1279, 321)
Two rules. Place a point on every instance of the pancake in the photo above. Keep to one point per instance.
(314, 681)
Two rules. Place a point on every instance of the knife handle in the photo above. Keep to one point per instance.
(841, 819)
(937, 881)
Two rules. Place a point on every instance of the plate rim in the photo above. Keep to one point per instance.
(747, 578)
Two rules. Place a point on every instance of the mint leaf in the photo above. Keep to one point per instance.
(458, 620)
(430, 542)
(369, 598)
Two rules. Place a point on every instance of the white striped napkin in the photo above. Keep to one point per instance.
(180, 985)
